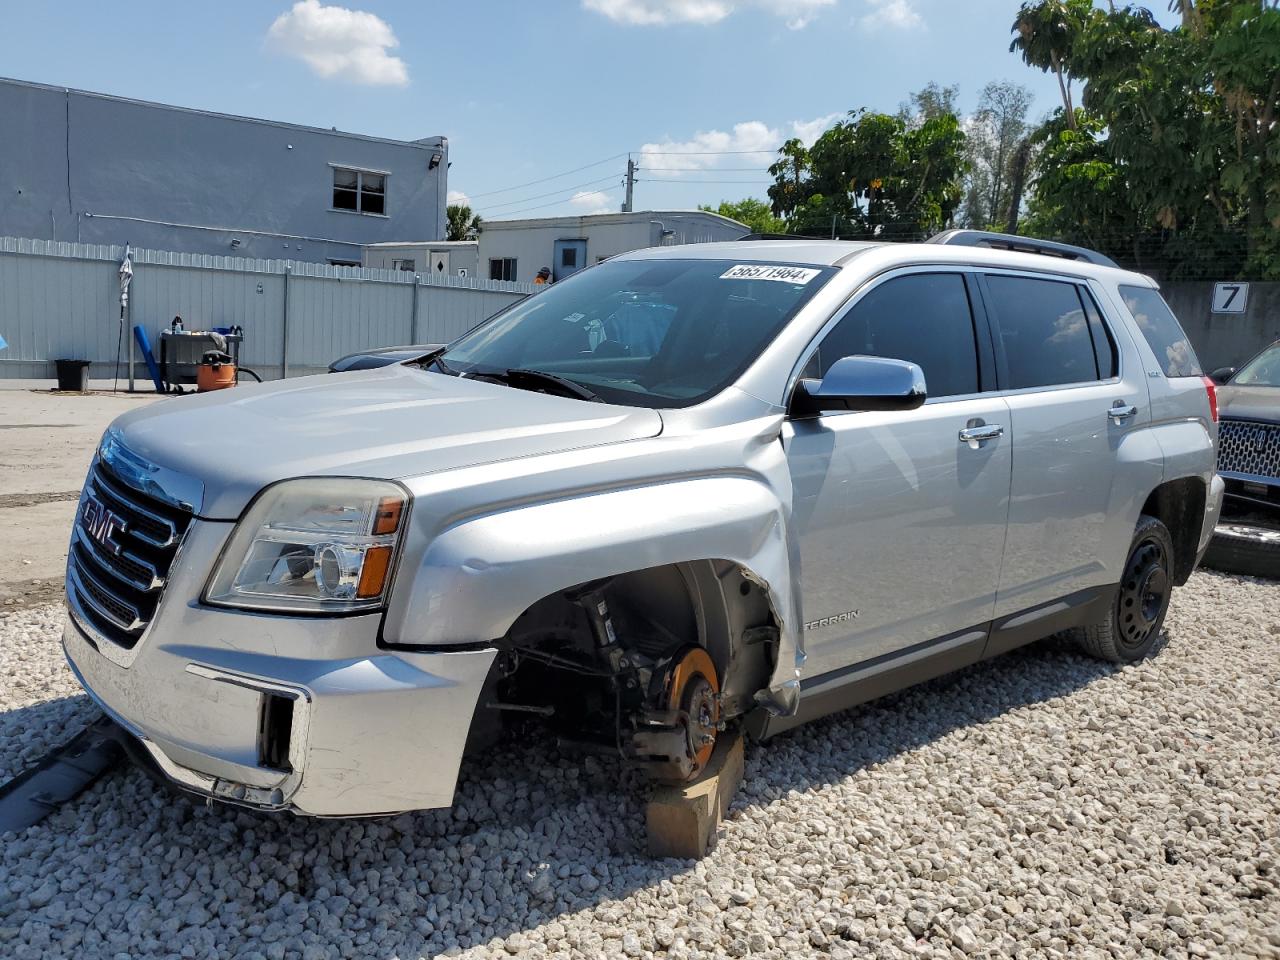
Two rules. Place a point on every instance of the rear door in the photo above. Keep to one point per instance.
(1072, 406)
(900, 519)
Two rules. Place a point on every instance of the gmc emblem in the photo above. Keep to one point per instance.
(100, 524)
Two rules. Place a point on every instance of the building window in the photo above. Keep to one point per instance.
(408, 266)
(502, 268)
(569, 257)
(359, 191)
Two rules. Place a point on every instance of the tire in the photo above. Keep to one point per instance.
(1134, 621)
(1249, 548)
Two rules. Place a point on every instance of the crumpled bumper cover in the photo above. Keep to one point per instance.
(369, 735)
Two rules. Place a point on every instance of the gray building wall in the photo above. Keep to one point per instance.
(455, 255)
(91, 168)
(1225, 339)
(532, 242)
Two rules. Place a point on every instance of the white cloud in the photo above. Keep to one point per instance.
(809, 131)
(457, 196)
(899, 14)
(339, 43)
(592, 201)
(649, 13)
(708, 149)
(752, 143)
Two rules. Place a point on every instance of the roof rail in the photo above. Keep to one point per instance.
(1007, 241)
(778, 236)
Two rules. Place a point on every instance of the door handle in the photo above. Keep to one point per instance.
(1121, 411)
(975, 435)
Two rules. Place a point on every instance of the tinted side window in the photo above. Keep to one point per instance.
(1043, 330)
(1104, 346)
(924, 318)
(1163, 332)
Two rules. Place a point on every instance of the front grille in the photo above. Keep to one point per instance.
(120, 556)
(1249, 446)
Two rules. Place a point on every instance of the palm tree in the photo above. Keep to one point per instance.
(1044, 34)
(463, 224)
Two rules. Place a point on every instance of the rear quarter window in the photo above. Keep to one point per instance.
(1163, 333)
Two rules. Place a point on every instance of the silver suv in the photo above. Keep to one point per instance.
(691, 487)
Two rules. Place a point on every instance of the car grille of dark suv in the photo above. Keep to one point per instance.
(1249, 446)
(117, 577)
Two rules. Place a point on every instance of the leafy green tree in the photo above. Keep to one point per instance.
(932, 100)
(462, 223)
(872, 176)
(994, 135)
(788, 172)
(756, 214)
(1180, 130)
(1046, 34)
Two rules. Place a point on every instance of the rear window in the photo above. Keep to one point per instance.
(1162, 331)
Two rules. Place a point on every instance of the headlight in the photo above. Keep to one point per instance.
(315, 545)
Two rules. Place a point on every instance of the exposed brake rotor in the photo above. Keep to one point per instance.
(676, 736)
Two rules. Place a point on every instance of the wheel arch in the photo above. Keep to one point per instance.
(1179, 504)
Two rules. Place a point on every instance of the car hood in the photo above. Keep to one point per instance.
(1249, 403)
(388, 423)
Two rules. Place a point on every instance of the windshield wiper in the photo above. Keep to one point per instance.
(435, 359)
(522, 378)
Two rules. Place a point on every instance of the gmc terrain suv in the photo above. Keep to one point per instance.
(690, 487)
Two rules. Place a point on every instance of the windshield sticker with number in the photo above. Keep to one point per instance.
(752, 271)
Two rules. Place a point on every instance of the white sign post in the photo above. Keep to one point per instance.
(1230, 297)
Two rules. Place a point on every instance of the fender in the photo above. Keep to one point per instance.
(477, 576)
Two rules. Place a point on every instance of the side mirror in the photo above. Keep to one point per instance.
(1222, 374)
(862, 383)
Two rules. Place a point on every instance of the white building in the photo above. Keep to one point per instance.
(449, 258)
(517, 249)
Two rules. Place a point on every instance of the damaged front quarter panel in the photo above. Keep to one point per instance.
(502, 538)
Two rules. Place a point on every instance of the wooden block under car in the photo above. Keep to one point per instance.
(682, 820)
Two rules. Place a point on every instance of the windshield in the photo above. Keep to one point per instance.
(1262, 371)
(654, 333)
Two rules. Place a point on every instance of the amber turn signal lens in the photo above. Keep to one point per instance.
(373, 573)
(387, 517)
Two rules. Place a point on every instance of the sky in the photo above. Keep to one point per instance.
(541, 100)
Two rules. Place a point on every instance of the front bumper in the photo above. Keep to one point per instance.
(369, 731)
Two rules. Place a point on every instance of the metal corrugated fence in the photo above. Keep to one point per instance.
(61, 300)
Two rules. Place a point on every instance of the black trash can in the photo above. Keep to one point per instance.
(73, 375)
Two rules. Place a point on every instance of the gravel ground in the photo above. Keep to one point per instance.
(1039, 805)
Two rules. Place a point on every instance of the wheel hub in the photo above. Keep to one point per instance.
(678, 731)
(1143, 593)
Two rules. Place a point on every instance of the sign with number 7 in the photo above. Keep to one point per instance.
(1230, 297)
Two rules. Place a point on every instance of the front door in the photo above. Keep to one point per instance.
(439, 263)
(570, 257)
(900, 519)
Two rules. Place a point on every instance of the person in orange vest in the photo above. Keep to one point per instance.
(543, 277)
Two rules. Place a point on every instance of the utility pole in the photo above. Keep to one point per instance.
(631, 182)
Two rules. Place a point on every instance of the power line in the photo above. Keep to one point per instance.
(706, 169)
(660, 180)
(531, 183)
(700, 153)
(550, 193)
(511, 213)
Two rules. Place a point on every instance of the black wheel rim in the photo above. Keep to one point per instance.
(1144, 593)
